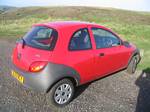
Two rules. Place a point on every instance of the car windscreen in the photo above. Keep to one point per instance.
(41, 37)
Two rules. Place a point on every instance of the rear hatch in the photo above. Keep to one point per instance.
(36, 45)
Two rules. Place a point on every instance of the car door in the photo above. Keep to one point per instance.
(110, 54)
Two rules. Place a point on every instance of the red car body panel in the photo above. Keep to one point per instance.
(29, 55)
(88, 63)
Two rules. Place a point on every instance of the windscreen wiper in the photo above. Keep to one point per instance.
(23, 42)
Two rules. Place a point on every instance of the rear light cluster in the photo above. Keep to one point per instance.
(37, 66)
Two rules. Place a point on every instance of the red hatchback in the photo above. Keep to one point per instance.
(56, 57)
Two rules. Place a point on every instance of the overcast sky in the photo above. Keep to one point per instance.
(138, 5)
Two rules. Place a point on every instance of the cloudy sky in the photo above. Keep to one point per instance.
(138, 5)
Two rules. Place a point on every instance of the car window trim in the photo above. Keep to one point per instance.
(111, 33)
(72, 37)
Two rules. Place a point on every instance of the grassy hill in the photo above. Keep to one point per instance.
(4, 8)
(130, 25)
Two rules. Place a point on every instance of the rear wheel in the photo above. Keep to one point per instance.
(132, 65)
(61, 93)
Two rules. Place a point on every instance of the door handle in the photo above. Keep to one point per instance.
(101, 54)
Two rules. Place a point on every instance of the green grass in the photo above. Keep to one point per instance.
(131, 26)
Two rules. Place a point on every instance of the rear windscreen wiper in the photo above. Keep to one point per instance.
(23, 42)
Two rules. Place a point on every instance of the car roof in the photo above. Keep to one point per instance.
(64, 24)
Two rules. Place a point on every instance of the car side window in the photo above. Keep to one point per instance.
(104, 38)
(80, 40)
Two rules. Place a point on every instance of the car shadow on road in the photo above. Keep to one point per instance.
(143, 99)
(80, 90)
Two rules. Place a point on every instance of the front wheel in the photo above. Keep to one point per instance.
(132, 65)
(61, 93)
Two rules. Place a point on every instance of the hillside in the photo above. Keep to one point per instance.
(84, 13)
(4, 8)
(132, 26)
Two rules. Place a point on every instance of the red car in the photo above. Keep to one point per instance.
(56, 57)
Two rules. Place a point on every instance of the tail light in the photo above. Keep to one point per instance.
(37, 66)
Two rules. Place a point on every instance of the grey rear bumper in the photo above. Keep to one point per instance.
(42, 81)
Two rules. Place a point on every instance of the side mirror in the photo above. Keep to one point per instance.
(126, 43)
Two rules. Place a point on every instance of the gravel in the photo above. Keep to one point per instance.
(119, 92)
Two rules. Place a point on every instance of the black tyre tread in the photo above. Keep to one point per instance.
(49, 96)
(129, 68)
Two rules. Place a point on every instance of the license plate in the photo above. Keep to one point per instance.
(17, 76)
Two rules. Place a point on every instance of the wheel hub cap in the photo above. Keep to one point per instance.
(63, 93)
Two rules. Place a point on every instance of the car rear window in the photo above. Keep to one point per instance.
(41, 37)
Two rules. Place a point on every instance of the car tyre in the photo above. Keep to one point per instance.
(61, 93)
(132, 65)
